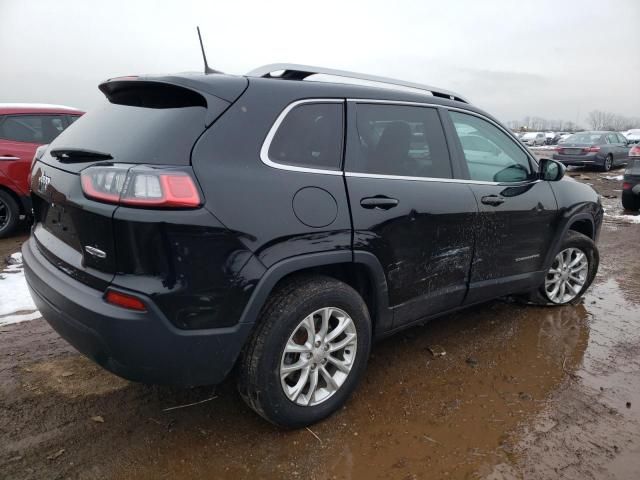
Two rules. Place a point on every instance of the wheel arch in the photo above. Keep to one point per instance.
(360, 270)
(580, 222)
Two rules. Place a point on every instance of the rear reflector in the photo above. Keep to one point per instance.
(125, 301)
(140, 187)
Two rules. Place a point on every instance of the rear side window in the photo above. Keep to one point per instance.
(491, 155)
(401, 140)
(31, 128)
(310, 136)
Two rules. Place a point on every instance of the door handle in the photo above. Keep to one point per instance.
(493, 200)
(9, 157)
(379, 201)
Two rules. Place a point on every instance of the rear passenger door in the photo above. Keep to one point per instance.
(517, 212)
(406, 208)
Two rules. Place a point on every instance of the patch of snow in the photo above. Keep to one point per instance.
(625, 218)
(16, 304)
(19, 317)
(613, 177)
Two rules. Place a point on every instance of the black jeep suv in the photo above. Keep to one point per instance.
(275, 226)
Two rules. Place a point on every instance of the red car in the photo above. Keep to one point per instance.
(23, 128)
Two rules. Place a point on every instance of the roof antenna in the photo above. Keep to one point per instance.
(207, 68)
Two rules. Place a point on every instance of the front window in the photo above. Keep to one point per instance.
(491, 155)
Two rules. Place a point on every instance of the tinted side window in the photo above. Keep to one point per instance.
(401, 140)
(612, 138)
(31, 128)
(491, 155)
(621, 138)
(310, 136)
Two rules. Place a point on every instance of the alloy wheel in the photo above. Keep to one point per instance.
(318, 356)
(567, 275)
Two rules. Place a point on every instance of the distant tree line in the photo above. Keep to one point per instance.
(542, 124)
(596, 120)
(599, 120)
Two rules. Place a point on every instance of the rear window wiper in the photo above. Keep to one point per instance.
(78, 155)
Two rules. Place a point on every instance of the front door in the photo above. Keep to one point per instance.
(406, 208)
(517, 212)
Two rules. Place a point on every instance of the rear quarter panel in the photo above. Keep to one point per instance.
(254, 200)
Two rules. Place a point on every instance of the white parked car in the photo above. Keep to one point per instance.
(533, 138)
(633, 135)
(563, 137)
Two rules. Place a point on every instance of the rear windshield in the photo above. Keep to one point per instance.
(133, 134)
(585, 138)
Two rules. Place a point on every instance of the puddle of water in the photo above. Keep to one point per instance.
(612, 361)
(413, 413)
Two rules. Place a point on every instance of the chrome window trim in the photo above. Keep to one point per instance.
(441, 180)
(264, 151)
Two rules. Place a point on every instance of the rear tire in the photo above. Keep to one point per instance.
(630, 201)
(608, 163)
(291, 388)
(573, 244)
(9, 214)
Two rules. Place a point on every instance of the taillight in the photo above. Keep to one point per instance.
(595, 148)
(140, 186)
(626, 186)
(635, 151)
(125, 301)
(559, 149)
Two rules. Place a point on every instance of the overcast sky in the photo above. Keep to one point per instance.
(555, 59)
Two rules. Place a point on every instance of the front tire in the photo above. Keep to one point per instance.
(308, 353)
(572, 271)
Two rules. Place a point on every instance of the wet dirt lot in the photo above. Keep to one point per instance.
(522, 392)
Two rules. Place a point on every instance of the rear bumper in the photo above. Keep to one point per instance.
(139, 346)
(578, 160)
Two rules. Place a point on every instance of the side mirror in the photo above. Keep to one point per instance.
(550, 170)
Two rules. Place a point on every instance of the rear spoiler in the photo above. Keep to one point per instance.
(214, 92)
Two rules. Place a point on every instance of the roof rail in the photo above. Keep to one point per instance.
(292, 71)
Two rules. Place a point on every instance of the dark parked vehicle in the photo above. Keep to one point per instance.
(631, 181)
(598, 149)
(199, 224)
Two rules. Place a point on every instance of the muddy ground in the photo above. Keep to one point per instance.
(522, 392)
